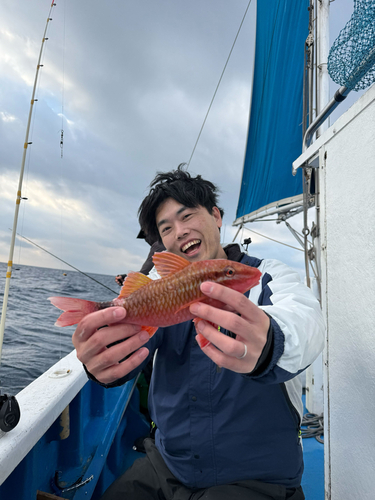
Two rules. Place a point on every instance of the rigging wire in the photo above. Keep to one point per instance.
(217, 86)
(276, 241)
(58, 258)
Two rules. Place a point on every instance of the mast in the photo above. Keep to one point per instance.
(19, 196)
(322, 58)
(321, 100)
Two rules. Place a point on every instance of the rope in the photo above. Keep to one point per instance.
(314, 426)
(217, 87)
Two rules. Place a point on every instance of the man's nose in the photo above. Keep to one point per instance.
(181, 230)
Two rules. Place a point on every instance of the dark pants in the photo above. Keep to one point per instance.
(150, 479)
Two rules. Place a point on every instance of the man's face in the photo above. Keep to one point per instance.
(192, 233)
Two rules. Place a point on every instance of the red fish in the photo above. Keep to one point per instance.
(164, 302)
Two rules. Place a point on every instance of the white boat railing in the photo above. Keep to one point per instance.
(40, 403)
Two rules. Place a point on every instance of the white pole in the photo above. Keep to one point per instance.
(322, 59)
(322, 97)
(320, 369)
(19, 197)
(314, 374)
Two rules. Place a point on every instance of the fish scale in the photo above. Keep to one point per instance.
(172, 293)
(166, 301)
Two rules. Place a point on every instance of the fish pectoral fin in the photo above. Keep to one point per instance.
(133, 282)
(202, 341)
(150, 329)
(168, 263)
(184, 306)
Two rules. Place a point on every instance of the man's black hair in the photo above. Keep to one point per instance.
(182, 187)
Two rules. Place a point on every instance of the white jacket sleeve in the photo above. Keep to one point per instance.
(297, 320)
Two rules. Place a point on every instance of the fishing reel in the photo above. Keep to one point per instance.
(9, 412)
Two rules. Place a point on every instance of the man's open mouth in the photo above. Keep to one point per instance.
(191, 246)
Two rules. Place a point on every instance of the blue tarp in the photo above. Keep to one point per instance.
(275, 129)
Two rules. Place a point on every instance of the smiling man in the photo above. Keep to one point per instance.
(227, 410)
(191, 232)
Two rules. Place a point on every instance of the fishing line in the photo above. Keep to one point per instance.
(29, 155)
(58, 258)
(62, 138)
(217, 87)
(61, 166)
(28, 160)
(63, 86)
(25, 185)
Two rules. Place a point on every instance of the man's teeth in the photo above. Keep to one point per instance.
(190, 244)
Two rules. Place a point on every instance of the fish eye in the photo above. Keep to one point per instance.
(229, 271)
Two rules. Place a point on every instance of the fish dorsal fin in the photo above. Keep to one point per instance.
(133, 282)
(167, 263)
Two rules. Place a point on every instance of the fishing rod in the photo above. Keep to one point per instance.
(9, 409)
(67, 263)
(19, 197)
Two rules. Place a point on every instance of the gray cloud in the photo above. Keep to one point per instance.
(130, 84)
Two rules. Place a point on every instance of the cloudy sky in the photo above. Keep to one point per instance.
(129, 83)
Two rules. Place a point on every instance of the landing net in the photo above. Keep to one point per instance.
(351, 60)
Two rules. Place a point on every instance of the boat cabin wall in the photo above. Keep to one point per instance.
(347, 213)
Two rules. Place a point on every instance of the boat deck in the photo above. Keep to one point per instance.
(313, 476)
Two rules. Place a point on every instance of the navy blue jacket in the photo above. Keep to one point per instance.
(215, 426)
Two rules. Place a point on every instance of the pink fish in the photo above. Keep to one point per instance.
(164, 302)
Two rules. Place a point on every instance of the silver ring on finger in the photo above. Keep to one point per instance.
(245, 351)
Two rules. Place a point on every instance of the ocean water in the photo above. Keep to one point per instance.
(32, 343)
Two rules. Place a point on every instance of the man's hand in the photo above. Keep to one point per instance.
(240, 316)
(95, 349)
(120, 278)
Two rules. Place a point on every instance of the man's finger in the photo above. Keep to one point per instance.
(92, 322)
(123, 336)
(118, 352)
(120, 370)
(225, 319)
(231, 298)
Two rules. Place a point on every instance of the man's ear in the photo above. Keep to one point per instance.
(217, 216)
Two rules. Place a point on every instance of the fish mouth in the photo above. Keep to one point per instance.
(190, 247)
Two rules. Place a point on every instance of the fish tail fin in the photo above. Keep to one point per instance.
(74, 309)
